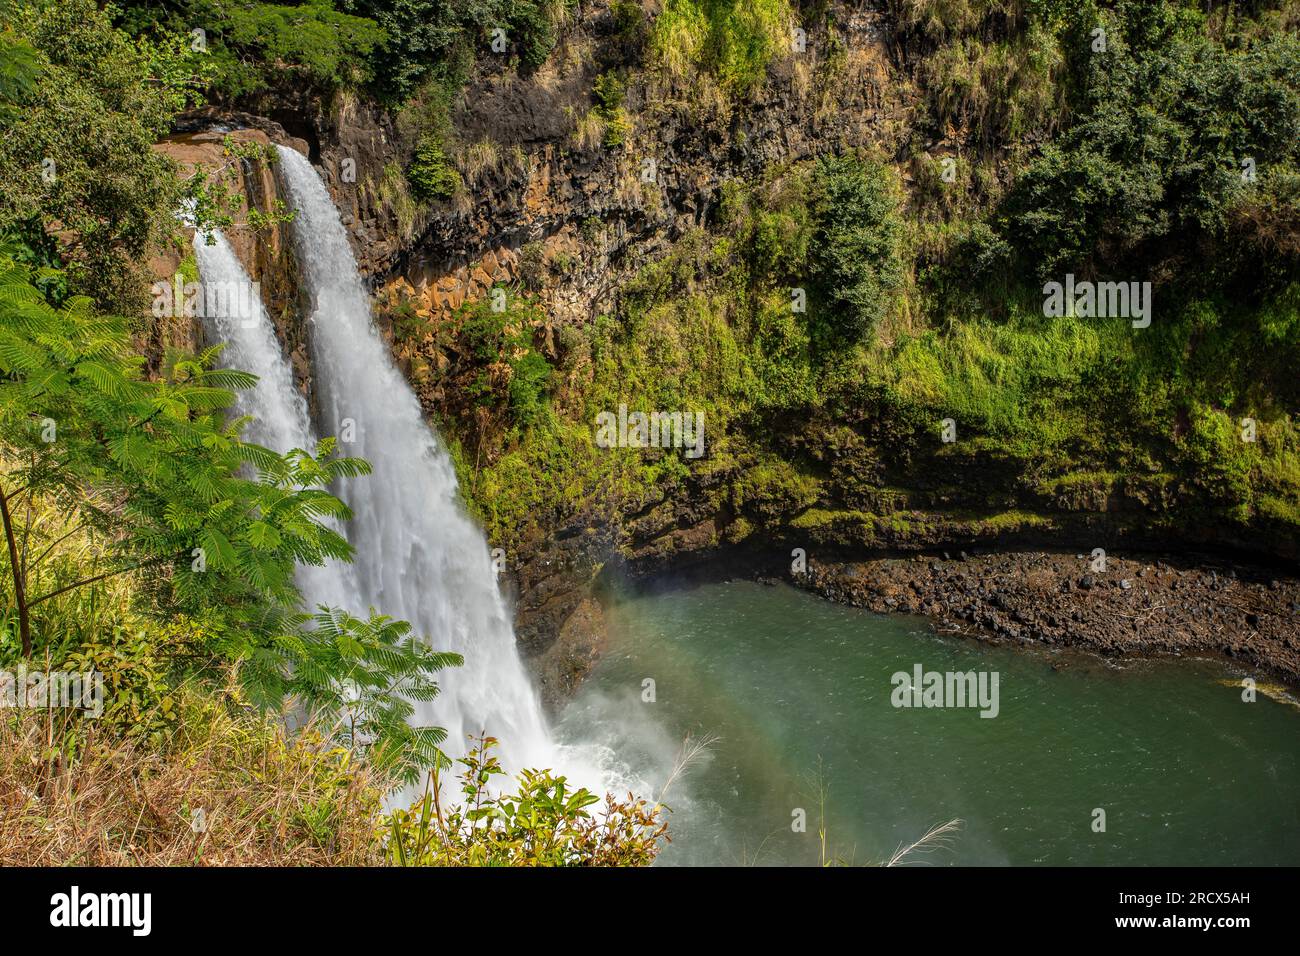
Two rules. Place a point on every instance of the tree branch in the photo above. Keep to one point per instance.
(24, 621)
(100, 577)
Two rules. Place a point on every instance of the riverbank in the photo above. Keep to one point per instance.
(1138, 605)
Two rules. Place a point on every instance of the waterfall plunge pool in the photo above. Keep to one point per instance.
(798, 692)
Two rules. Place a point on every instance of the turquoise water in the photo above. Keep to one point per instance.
(798, 693)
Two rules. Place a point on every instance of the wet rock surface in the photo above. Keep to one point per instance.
(1137, 605)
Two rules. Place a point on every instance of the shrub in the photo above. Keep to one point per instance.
(630, 25)
(253, 45)
(228, 787)
(609, 92)
(1219, 460)
(733, 39)
(532, 23)
(857, 258)
(1153, 167)
(529, 383)
(76, 152)
(544, 822)
(429, 173)
(505, 337)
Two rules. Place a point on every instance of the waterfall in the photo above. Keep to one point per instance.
(419, 556)
(278, 410)
(280, 420)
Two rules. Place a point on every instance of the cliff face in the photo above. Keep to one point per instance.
(571, 219)
(553, 205)
(266, 251)
(548, 208)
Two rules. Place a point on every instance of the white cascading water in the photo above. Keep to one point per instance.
(419, 556)
(278, 410)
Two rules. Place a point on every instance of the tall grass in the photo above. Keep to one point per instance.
(993, 375)
(734, 39)
(229, 789)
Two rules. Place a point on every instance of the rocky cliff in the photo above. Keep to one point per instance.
(565, 196)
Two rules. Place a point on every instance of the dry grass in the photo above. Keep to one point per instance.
(480, 160)
(589, 132)
(938, 837)
(230, 789)
(393, 192)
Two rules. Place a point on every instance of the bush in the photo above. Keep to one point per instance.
(253, 45)
(609, 92)
(544, 822)
(429, 173)
(535, 32)
(856, 258)
(733, 39)
(505, 338)
(1152, 169)
(630, 25)
(82, 180)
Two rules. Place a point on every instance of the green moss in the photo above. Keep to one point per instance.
(1014, 520)
(738, 530)
(816, 519)
(1285, 511)
(773, 487)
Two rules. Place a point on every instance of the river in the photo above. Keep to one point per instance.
(798, 692)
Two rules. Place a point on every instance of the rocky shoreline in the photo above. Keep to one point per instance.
(1137, 605)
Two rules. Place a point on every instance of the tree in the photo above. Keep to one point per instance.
(19, 70)
(77, 158)
(149, 468)
(856, 246)
(1182, 158)
(359, 676)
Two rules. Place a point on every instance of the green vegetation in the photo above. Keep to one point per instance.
(251, 46)
(144, 540)
(1178, 140)
(429, 174)
(732, 39)
(857, 241)
(542, 823)
(76, 154)
(608, 93)
(505, 336)
(827, 317)
(389, 47)
(921, 308)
